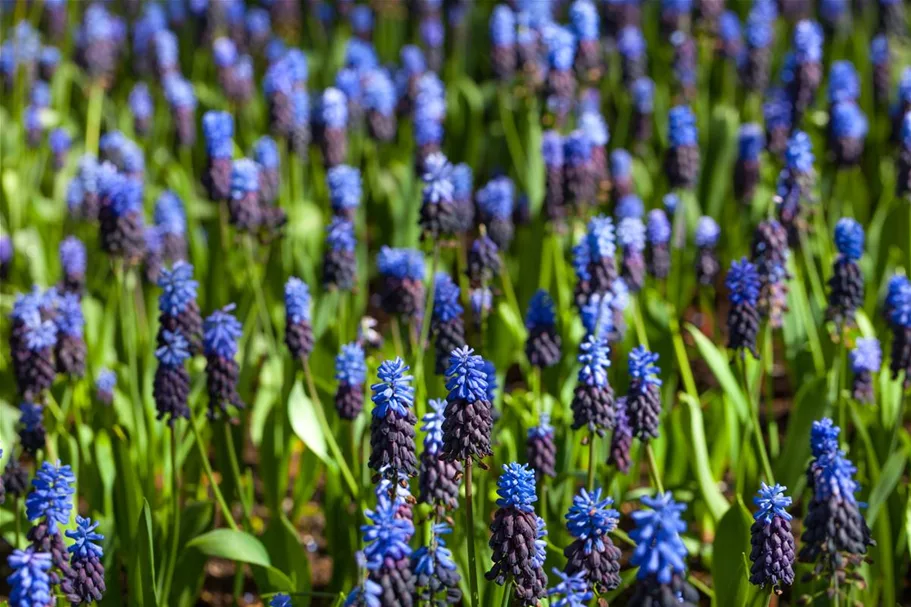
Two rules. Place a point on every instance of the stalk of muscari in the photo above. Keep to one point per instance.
(178, 310)
(621, 438)
(502, 30)
(244, 209)
(298, 330)
(152, 255)
(642, 91)
(82, 194)
(772, 540)
(218, 131)
(120, 215)
(181, 96)
(351, 372)
(730, 38)
(804, 67)
(560, 87)
(750, 142)
(99, 40)
(332, 119)
(898, 309)
(776, 111)
(632, 48)
(70, 349)
(141, 108)
(345, 190)
(259, 28)
(402, 274)
(105, 383)
(59, 141)
(32, 433)
(390, 580)
(32, 340)
(585, 21)
(462, 189)
(514, 531)
(468, 417)
(848, 132)
(429, 115)
(593, 397)
(590, 520)
(834, 14)
(643, 400)
(379, 102)
(543, 344)
(49, 506)
(433, 35)
(658, 232)
(846, 286)
(903, 160)
(123, 153)
(684, 64)
(151, 21)
(84, 582)
(866, 359)
(795, 183)
(660, 555)
(540, 448)
(593, 260)
(743, 317)
(681, 163)
(621, 164)
(278, 87)
(528, 51)
(770, 257)
(483, 261)
(881, 60)
(759, 32)
(592, 123)
(224, 56)
(631, 238)
(496, 201)
(221, 330)
(72, 263)
(392, 450)
(892, 18)
(579, 171)
(903, 106)
(171, 387)
(438, 477)
(30, 582)
(792, 10)
(438, 215)
(171, 221)
(436, 575)
(446, 325)
(835, 535)
(675, 15)
(552, 152)
(339, 259)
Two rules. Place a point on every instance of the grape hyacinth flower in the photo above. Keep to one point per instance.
(30, 583)
(6, 256)
(468, 418)
(847, 133)
(151, 258)
(514, 531)
(751, 141)
(560, 47)
(495, 205)
(643, 400)
(660, 554)
(642, 92)
(438, 477)
(806, 72)
(795, 182)
(333, 124)
(402, 272)
(844, 83)
(483, 261)
(552, 152)
(218, 131)
(543, 344)
(436, 575)
(621, 164)
(165, 50)
(345, 190)
(14, 478)
(32, 342)
(265, 153)
(72, 262)
(834, 13)
(98, 44)
(898, 309)
(221, 330)
(279, 87)
(70, 348)
(438, 216)
(592, 123)
(283, 600)
(181, 96)
(503, 42)
(631, 238)
(462, 189)
(171, 223)
(104, 386)
(622, 438)
(866, 359)
(244, 209)
(84, 582)
(351, 373)
(772, 540)
(120, 214)
(743, 318)
(388, 554)
(49, 505)
(447, 325)
(835, 535)
(585, 22)
(178, 310)
(730, 37)
(776, 111)
(298, 330)
(658, 231)
(380, 101)
(83, 191)
(675, 15)
(122, 153)
(393, 420)
(684, 66)
(593, 260)
(32, 433)
(339, 259)
(141, 108)
(770, 256)
(592, 554)
(759, 32)
(903, 161)
(579, 170)
(632, 48)
(59, 140)
(171, 387)
(846, 286)
(593, 397)
(540, 449)
(682, 160)
(881, 59)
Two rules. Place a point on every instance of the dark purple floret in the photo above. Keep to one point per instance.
(298, 330)
(32, 433)
(866, 359)
(846, 286)
(221, 330)
(70, 348)
(171, 387)
(540, 448)
(643, 400)
(402, 272)
(179, 311)
(339, 260)
(120, 213)
(592, 554)
(84, 580)
(682, 160)
(593, 397)
(621, 439)
(351, 373)
(772, 540)
(483, 261)
(468, 415)
(743, 317)
(446, 322)
(770, 255)
(543, 344)
(72, 263)
(438, 477)
(392, 423)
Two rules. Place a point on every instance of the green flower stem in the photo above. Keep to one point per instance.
(653, 468)
(238, 478)
(754, 418)
(207, 468)
(260, 297)
(327, 431)
(641, 335)
(469, 522)
(841, 362)
(510, 293)
(419, 354)
(167, 578)
(93, 118)
(768, 354)
(591, 461)
(397, 337)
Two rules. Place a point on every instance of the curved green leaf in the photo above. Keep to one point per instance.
(232, 545)
(716, 502)
(304, 422)
(732, 542)
(721, 368)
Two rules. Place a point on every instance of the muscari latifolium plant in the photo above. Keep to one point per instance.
(454, 303)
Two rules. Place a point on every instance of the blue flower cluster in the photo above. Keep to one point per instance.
(394, 391)
(516, 487)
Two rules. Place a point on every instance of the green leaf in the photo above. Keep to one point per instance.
(732, 541)
(809, 406)
(143, 590)
(236, 546)
(888, 479)
(716, 502)
(304, 423)
(721, 368)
